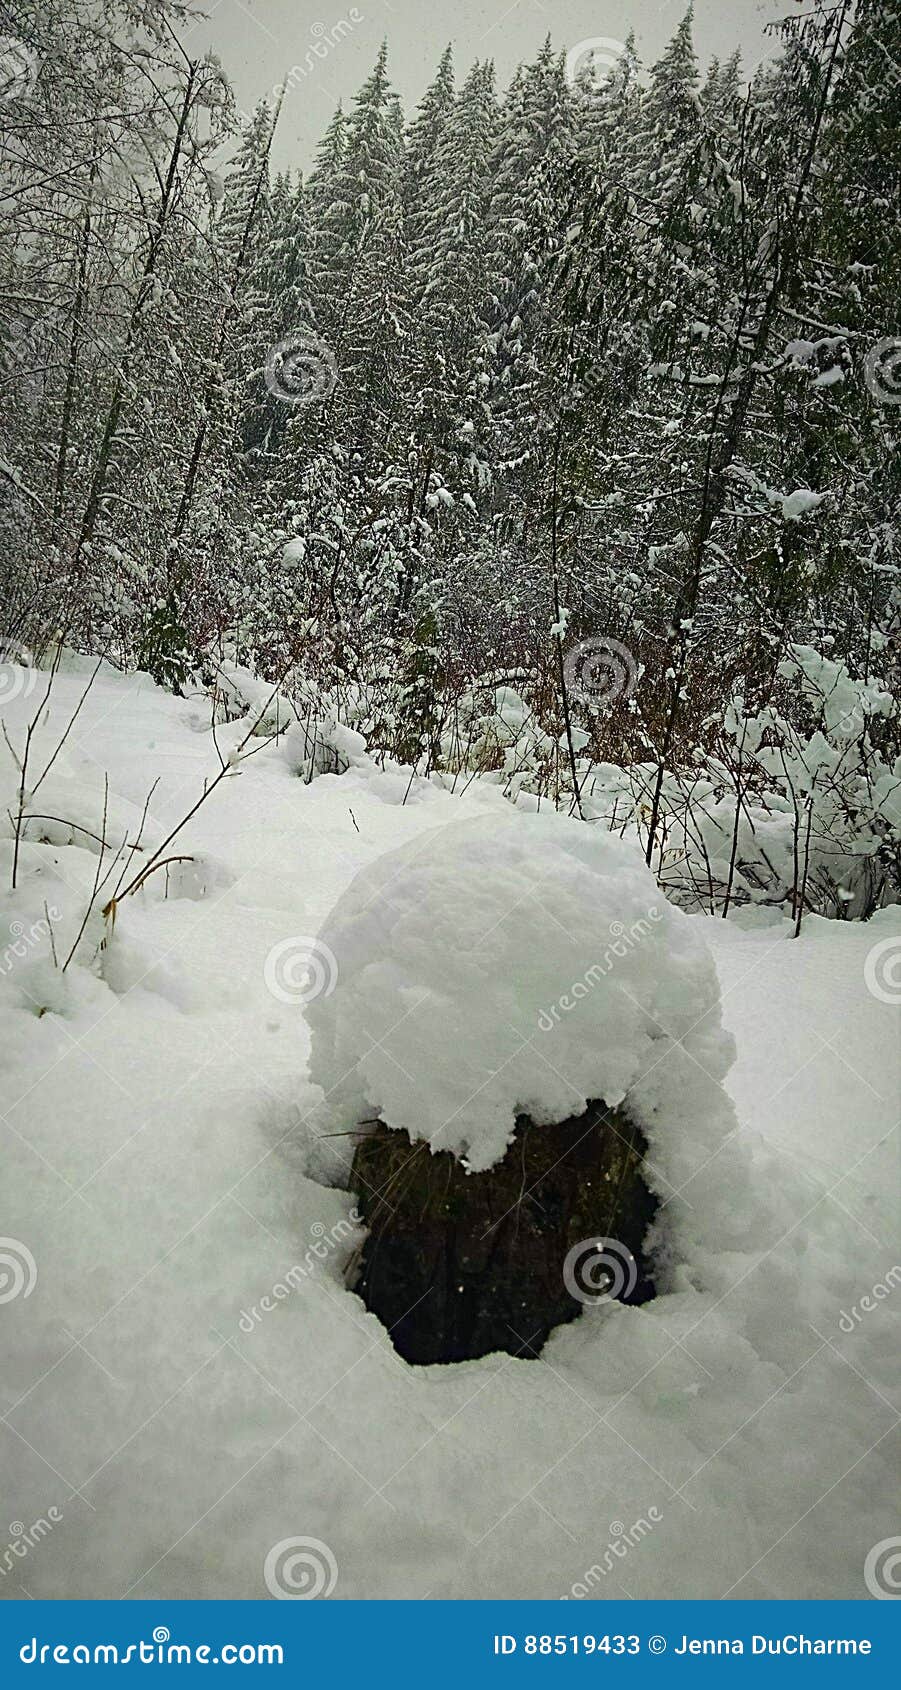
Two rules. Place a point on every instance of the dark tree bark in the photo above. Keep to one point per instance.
(458, 1265)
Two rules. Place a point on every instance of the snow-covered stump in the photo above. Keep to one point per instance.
(523, 1041)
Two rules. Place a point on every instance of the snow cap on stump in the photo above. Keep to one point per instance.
(514, 965)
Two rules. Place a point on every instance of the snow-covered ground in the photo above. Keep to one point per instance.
(166, 1428)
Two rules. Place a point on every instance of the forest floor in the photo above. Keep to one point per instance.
(740, 1435)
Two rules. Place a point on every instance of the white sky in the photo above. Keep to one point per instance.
(259, 41)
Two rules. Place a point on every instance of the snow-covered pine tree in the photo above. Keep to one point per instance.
(450, 370)
(536, 138)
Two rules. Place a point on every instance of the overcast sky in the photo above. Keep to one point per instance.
(259, 41)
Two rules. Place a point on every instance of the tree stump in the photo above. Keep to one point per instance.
(458, 1265)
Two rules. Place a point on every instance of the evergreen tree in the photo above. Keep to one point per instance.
(422, 179)
(451, 365)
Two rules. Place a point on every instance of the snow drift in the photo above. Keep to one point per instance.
(513, 965)
(156, 1144)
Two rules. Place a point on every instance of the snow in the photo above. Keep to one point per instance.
(519, 964)
(161, 1133)
(797, 504)
(322, 745)
(830, 788)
